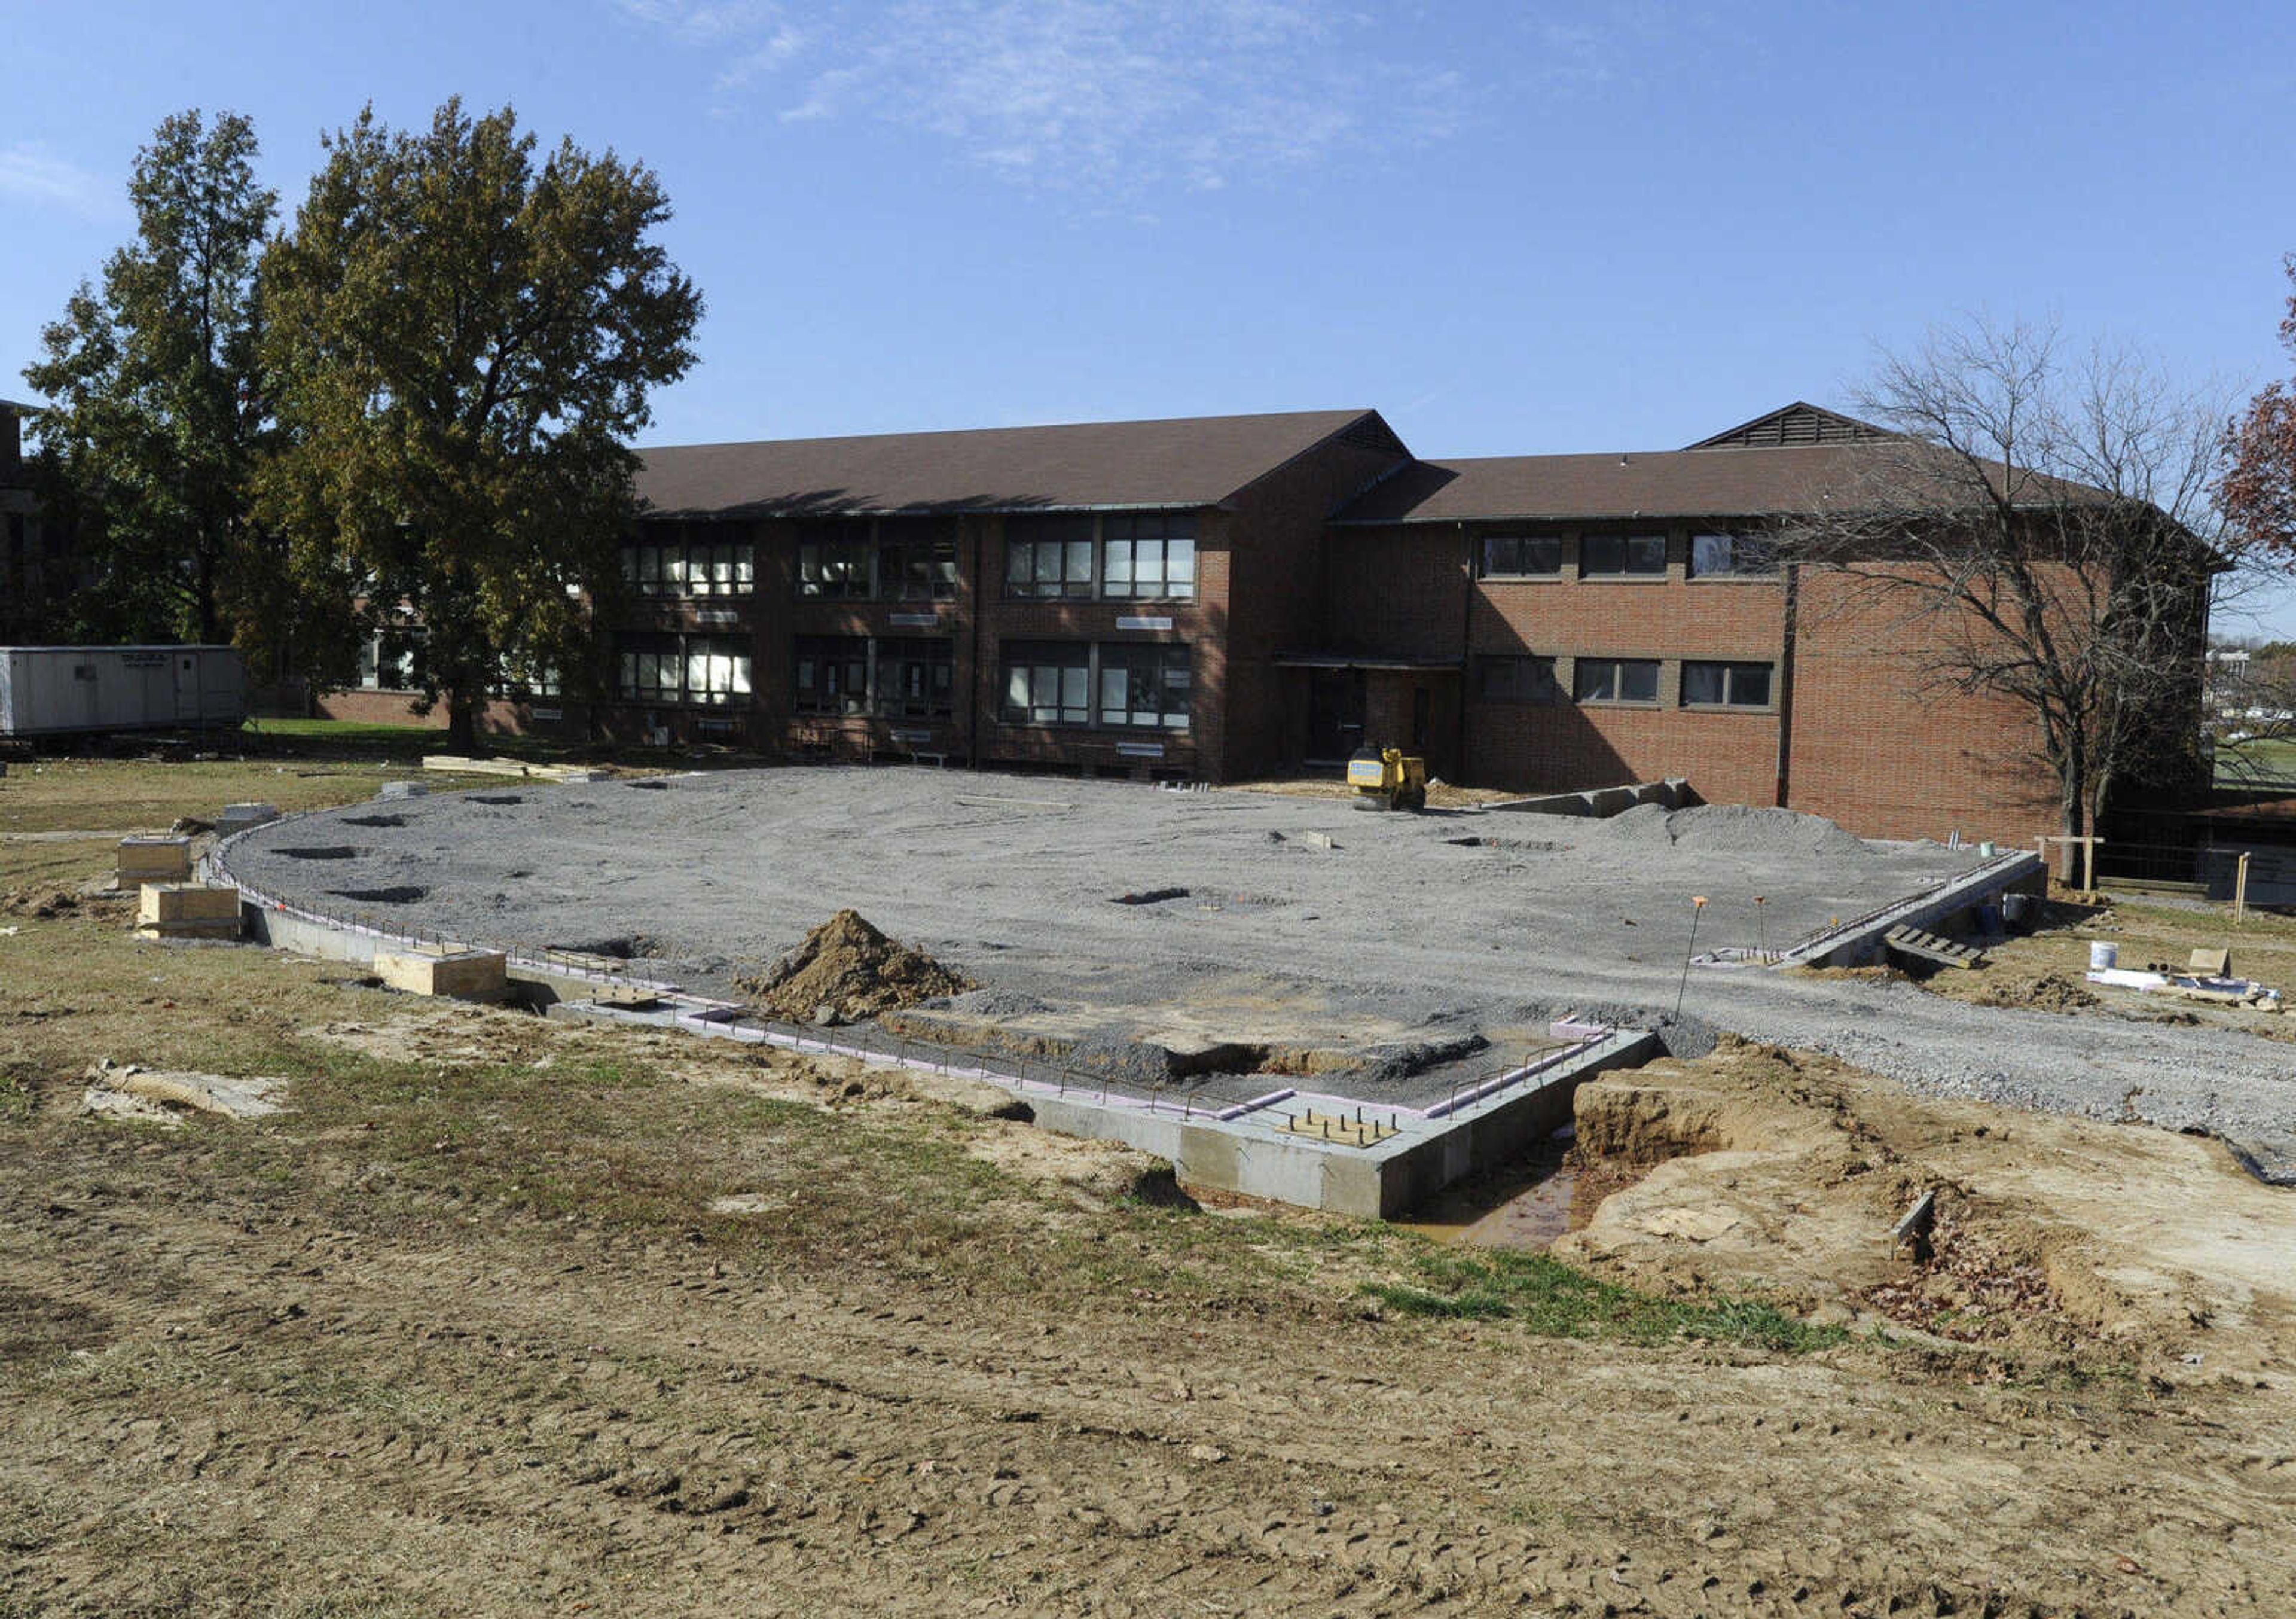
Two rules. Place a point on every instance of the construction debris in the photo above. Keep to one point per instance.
(848, 970)
(1931, 948)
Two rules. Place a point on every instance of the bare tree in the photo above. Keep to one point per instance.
(2041, 531)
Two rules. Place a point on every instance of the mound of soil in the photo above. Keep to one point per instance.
(46, 902)
(2050, 993)
(852, 969)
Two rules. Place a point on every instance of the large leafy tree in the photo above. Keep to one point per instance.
(463, 339)
(158, 417)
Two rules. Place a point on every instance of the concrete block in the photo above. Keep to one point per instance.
(464, 974)
(188, 910)
(404, 789)
(239, 818)
(154, 859)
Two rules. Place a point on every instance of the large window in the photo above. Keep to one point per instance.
(833, 674)
(1148, 557)
(832, 562)
(707, 671)
(1726, 685)
(916, 679)
(1049, 557)
(1616, 680)
(691, 568)
(1506, 679)
(1521, 555)
(653, 670)
(1712, 555)
(916, 562)
(717, 671)
(1621, 556)
(1047, 683)
(1144, 686)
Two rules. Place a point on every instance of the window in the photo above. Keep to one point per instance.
(1500, 678)
(1521, 555)
(916, 679)
(832, 562)
(724, 568)
(1048, 557)
(1616, 680)
(916, 562)
(699, 568)
(1726, 686)
(1148, 557)
(717, 671)
(833, 674)
(1144, 686)
(653, 670)
(1712, 554)
(710, 671)
(1621, 553)
(1047, 683)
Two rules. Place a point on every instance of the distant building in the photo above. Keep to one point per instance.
(1225, 597)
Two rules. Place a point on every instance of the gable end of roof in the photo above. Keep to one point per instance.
(1798, 423)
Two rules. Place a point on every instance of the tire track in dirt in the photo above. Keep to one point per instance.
(514, 1428)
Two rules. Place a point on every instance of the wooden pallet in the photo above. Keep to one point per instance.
(1933, 949)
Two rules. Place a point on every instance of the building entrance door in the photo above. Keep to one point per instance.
(1335, 713)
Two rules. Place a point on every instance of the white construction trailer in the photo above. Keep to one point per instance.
(53, 690)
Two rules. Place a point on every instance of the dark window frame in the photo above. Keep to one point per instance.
(1732, 672)
(1133, 535)
(1522, 678)
(1744, 556)
(1154, 671)
(1515, 547)
(1040, 661)
(1071, 538)
(1613, 673)
(1624, 564)
(830, 675)
(897, 691)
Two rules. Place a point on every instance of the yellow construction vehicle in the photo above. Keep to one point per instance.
(1387, 778)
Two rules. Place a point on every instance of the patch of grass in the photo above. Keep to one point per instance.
(1553, 1300)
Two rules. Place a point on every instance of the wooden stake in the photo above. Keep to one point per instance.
(2240, 890)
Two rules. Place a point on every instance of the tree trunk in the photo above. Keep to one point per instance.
(462, 723)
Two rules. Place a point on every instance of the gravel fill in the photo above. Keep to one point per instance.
(1399, 934)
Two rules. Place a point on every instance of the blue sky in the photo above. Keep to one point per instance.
(1511, 228)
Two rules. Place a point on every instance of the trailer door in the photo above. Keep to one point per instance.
(187, 688)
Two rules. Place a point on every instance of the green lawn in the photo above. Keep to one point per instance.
(2260, 760)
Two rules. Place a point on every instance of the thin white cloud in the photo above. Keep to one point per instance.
(1100, 95)
(29, 173)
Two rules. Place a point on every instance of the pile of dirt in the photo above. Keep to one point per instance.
(845, 969)
(45, 902)
(1735, 829)
(2050, 993)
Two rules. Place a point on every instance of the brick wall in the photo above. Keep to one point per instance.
(1274, 600)
(397, 708)
(1878, 747)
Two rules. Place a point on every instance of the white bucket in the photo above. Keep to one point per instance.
(2102, 958)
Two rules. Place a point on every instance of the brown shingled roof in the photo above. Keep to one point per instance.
(1666, 483)
(1193, 461)
(1736, 482)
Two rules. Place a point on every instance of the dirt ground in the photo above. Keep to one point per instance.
(502, 1315)
(2047, 970)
